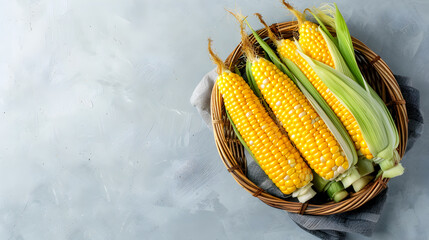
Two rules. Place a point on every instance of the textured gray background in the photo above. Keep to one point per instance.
(99, 141)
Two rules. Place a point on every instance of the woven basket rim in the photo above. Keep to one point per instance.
(229, 148)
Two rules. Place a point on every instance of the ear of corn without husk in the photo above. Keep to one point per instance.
(271, 149)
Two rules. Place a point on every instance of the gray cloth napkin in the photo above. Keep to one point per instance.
(360, 221)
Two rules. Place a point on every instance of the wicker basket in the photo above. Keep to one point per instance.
(379, 76)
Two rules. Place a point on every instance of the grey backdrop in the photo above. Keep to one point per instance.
(99, 140)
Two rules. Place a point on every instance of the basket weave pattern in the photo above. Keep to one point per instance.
(375, 71)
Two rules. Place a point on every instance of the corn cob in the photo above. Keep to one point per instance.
(304, 126)
(314, 45)
(272, 150)
(374, 119)
(306, 129)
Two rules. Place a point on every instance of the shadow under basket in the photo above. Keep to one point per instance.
(231, 151)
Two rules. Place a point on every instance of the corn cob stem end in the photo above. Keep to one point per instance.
(305, 193)
(362, 182)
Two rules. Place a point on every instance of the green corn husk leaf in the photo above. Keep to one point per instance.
(240, 138)
(345, 46)
(336, 191)
(364, 166)
(318, 103)
(332, 17)
(319, 183)
(394, 133)
(251, 80)
(254, 86)
(339, 61)
(376, 125)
